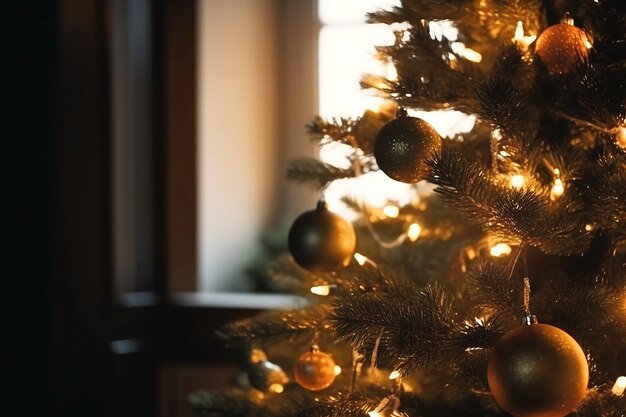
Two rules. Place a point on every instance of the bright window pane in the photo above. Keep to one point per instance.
(350, 11)
(346, 53)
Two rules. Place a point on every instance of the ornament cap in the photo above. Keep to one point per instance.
(401, 112)
(321, 204)
(257, 355)
(529, 319)
(567, 19)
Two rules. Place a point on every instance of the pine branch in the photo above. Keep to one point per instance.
(424, 9)
(414, 327)
(316, 172)
(492, 289)
(512, 214)
(277, 326)
(601, 401)
(359, 133)
(251, 403)
(606, 22)
(475, 145)
(592, 95)
(355, 404)
(368, 126)
(462, 185)
(427, 77)
(609, 192)
(337, 130)
(504, 103)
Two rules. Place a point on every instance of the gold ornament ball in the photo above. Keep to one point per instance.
(537, 370)
(402, 146)
(560, 47)
(315, 370)
(321, 241)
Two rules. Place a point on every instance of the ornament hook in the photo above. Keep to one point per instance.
(528, 318)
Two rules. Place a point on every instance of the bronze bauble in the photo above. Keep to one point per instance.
(321, 241)
(537, 370)
(561, 47)
(401, 147)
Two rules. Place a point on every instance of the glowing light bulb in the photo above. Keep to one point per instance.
(391, 211)
(360, 258)
(619, 387)
(501, 249)
(414, 232)
(517, 181)
(276, 388)
(621, 137)
(520, 38)
(394, 374)
(472, 55)
(588, 227)
(322, 290)
(374, 414)
(337, 370)
(557, 189)
(519, 31)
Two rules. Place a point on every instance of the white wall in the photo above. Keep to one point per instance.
(238, 134)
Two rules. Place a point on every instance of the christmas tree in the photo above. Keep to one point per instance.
(503, 291)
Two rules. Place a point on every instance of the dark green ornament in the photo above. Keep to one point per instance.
(321, 241)
(402, 145)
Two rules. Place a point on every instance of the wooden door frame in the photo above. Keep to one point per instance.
(105, 353)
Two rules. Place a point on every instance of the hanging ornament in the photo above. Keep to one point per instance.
(560, 47)
(315, 370)
(321, 241)
(402, 145)
(537, 370)
(265, 375)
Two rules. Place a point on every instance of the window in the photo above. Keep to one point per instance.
(256, 93)
(265, 69)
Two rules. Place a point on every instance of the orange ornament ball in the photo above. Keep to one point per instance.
(315, 370)
(561, 47)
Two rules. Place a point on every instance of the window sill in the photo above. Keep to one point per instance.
(227, 300)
